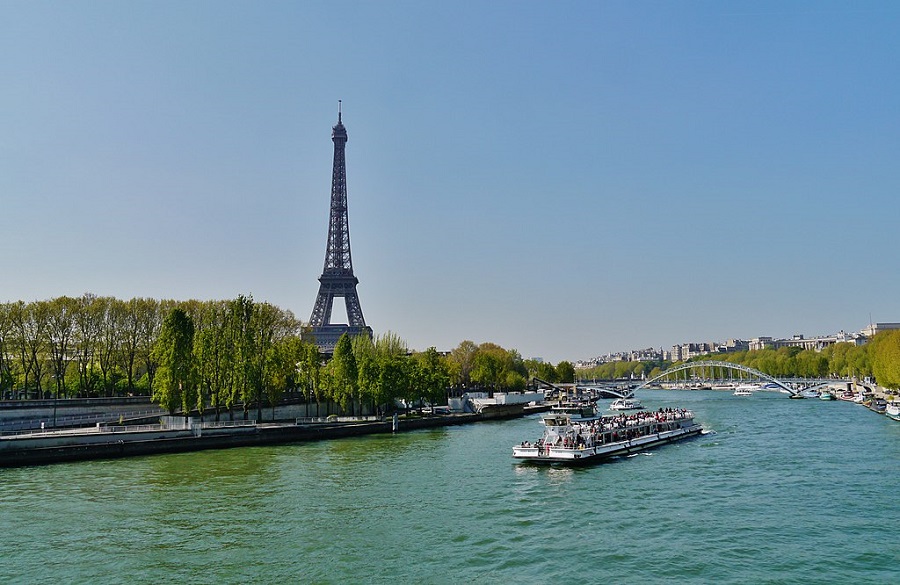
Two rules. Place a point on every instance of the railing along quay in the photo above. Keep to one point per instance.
(74, 421)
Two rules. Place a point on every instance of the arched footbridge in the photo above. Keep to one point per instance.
(706, 367)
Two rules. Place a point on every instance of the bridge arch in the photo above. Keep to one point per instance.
(608, 391)
(707, 365)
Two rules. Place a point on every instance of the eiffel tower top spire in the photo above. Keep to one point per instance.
(338, 132)
(337, 253)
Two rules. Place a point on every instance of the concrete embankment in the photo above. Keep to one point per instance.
(96, 443)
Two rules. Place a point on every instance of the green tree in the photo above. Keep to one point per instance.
(148, 313)
(311, 374)
(87, 332)
(242, 350)
(565, 372)
(488, 366)
(541, 370)
(885, 358)
(462, 362)
(131, 338)
(622, 370)
(514, 381)
(112, 329)
(285, 355)
(366, 357)
(432, 376)
(6, 352)
(268, 325)
(173, 351)
(33, 324)
(394, 381)
(60, 331)
(390, 343)
(211, 354)
(344, 374)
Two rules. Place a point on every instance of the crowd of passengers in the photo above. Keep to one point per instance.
(610, 429)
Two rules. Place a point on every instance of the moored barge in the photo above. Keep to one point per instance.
(579, 441)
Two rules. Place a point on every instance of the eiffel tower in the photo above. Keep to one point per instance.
(337, 278)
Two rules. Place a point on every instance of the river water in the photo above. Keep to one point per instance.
(786, 491)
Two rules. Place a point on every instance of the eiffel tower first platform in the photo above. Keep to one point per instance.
(337, 278)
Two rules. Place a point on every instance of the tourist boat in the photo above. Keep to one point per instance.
(626, 404)
(583, 409)
(892, 409)
(826, 395)
(578, 441)
(810, 394)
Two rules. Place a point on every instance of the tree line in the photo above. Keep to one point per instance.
(226, 354)
(185, 354)
(85, 346)
(878, 359)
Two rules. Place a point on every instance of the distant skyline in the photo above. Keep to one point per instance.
(564, 179)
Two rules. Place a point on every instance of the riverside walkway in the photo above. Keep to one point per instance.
(104, 442)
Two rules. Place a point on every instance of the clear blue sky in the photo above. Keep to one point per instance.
(562, 178)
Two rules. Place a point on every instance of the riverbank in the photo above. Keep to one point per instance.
(101, 442)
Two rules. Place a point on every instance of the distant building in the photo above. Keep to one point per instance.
(686, 351)
(758, 343)
(874, 329)
(734, 345)
(811, 343)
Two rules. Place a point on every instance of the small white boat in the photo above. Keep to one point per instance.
(626, 404)
(810, 394)
(893, 410)
(746, 389)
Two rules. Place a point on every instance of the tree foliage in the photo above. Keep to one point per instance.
(885, 352)
(173, 351)
(432, 376)
(343, 373)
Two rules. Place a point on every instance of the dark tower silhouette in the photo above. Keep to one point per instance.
(337, 278)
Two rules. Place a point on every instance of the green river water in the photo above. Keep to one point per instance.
(786, 491)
